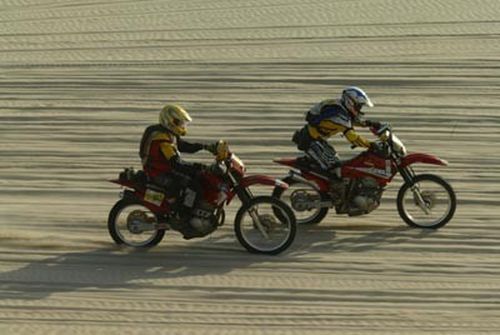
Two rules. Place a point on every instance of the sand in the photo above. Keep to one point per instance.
(81, 79)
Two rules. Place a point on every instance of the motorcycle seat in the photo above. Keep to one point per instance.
(305, 163)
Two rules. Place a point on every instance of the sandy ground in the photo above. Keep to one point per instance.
(81, 79)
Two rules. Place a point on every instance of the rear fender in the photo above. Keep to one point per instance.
(131, 195)
(416, 157)
(126, 183)
(298, 178)
(138, 196)
(286, 161)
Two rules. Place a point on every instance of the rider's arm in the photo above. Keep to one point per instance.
(325, 129)
(170, 152)
(368, 123)
(187, 168)
(185, 146)
(356, 139)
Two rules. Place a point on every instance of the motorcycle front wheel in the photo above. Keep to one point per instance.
(297, 195)
(427, 202)
(260, 230)
(133, 224)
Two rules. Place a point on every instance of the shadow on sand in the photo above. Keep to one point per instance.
(368, 238)
(118, 268)
(114, 268)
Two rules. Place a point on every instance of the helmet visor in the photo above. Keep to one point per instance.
(179, 127)
(358, 106)
(180, 123)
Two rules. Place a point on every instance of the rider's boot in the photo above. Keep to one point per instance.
(337, 186)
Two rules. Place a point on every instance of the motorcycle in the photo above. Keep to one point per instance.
(424, 200)
(263, 224)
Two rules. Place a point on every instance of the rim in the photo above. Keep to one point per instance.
(300, 191)
(277, 227)
(134, 225)
(437, 201)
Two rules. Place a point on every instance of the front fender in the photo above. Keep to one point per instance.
(416, 157)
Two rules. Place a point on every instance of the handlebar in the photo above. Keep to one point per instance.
(383, 128)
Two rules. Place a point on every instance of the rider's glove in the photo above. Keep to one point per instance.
(373, 124)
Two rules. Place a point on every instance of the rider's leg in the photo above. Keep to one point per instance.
(326, 157)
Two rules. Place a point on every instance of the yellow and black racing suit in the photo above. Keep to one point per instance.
(326, 119)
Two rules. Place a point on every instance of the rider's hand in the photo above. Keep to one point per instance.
(373, 124)
(383, 127)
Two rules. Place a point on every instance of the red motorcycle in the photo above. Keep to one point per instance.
(424, 200)
(263, 224)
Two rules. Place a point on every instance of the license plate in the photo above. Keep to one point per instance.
(154, 197)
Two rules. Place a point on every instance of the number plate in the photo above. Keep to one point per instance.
(154, 197)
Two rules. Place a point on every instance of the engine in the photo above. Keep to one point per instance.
(203, 219)
(365, 197)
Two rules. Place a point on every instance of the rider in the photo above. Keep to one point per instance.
(160, 149)
(330, 117)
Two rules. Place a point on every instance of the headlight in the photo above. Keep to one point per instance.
(398, 146)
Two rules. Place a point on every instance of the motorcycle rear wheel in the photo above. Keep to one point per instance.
(132, 224)
(304, 217)
(276, 232)
(437, 196)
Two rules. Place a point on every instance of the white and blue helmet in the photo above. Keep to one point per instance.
(354, 98)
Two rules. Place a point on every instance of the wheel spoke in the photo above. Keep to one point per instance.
(430, 202)
(265, 226)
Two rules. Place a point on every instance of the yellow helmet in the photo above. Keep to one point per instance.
(175, 119)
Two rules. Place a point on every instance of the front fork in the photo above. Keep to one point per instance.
(245, 196)
(409, 175)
